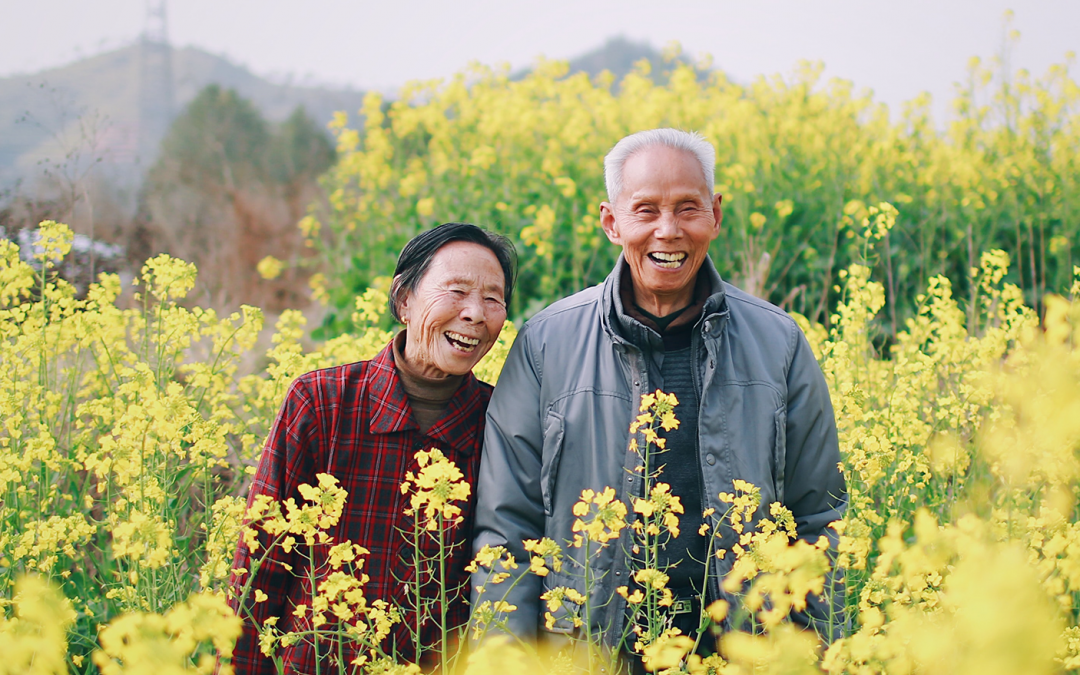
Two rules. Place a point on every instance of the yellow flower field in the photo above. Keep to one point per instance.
(128, 430)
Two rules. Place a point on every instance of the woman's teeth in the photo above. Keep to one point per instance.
(462, 342)
(669, 261)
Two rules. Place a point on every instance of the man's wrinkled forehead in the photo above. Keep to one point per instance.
(644, 173)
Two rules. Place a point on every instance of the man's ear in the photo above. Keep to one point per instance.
(607, 221)
(718, 213)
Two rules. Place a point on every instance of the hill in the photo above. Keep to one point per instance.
(95, 102)
(618, 55)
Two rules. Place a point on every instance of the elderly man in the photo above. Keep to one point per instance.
(753, 404)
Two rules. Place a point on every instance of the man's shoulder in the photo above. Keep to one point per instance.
(759, 326)
(570, 310)
(754, 308)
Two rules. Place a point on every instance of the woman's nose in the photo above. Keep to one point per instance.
(472, 307)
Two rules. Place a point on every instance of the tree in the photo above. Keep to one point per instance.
(227, 191)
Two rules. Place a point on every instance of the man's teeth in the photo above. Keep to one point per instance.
(668, 260)
(464, 342)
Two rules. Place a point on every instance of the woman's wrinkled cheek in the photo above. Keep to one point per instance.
(429, 333)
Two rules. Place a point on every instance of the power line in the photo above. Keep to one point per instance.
(156, 90)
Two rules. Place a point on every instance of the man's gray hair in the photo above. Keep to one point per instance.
(690, 141)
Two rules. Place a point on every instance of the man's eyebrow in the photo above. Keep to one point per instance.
(643, 197)
(650, 198)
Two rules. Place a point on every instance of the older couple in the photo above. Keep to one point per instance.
(753, 404)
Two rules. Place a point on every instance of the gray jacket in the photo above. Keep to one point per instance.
(559, 421)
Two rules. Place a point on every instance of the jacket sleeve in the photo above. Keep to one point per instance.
(285, 463)
(814, 488)
(509, 506)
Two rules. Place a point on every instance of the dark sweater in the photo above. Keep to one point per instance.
(683, 556)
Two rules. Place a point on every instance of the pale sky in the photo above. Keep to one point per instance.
(897, 48)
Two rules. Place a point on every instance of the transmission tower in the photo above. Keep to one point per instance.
(156, 99)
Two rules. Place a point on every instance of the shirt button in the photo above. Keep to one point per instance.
(629, 479)
(710, 459)
(618, 573)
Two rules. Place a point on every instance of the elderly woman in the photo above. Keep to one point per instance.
(363, 424)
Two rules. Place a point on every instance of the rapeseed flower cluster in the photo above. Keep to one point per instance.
(144, 643)
(34, 639)
(434, 489)
(599, 517)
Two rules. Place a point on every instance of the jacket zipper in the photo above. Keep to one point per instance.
(711, 593)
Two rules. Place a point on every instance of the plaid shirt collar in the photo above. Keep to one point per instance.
(390, 411)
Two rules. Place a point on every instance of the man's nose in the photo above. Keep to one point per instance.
(667, 226)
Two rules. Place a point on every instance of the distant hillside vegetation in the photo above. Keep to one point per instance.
(95, 101)
(618, 55)
(40, 113)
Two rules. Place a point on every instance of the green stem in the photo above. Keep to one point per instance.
(315, 632)
(417, 570)
(588, 607)
(443, 656)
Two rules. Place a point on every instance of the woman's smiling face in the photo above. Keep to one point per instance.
(455, 312)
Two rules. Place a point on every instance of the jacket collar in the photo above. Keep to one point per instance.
(624, 328)
(390, 412)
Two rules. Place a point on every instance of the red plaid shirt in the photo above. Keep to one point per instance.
(354, 422)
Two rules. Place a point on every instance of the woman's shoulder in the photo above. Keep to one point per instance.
(333, 381)
(333, 376)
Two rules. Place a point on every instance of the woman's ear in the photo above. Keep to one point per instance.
(400, 299)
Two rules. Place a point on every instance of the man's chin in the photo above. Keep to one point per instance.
(667, 285)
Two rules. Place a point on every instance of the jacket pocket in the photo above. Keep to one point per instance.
(554, 427)
(779, 452)
(559, 621)
(568, 617)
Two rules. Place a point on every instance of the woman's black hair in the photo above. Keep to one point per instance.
(416, 257)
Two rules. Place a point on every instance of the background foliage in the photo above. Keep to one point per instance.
(227, 190)
(798, 162)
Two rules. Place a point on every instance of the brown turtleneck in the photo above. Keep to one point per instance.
(428, 396)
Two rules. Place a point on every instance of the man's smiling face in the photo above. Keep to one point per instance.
(664, 219)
